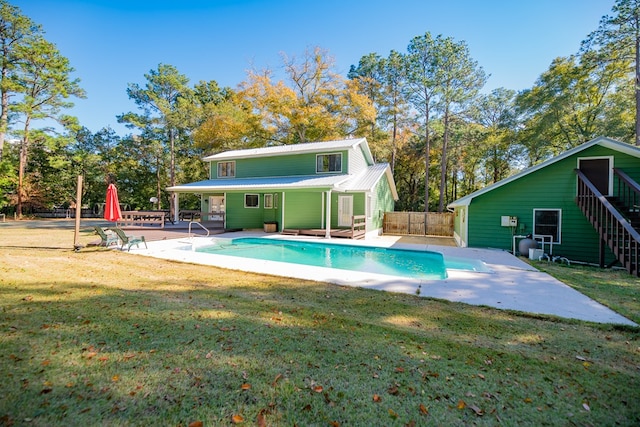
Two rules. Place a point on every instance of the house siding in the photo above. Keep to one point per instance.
(382, 201)
(553, 187)
(303, 209)
(289, 165)
(357, 161)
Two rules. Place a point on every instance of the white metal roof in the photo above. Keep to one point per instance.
(603, 141)
(368, 179)
(365, 181)
(279, 150)
(262, 183)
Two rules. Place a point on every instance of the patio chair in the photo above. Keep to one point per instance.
(129, 240)
(107, 237)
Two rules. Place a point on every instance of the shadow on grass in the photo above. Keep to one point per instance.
(308, 353)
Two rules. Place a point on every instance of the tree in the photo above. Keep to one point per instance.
(568, 104)
(394, 112)
(421, 91)
(318, 105)
(45, 85)
(15, 30)
(459, 78)
(617, 39)
(494, 140)
(163, 101)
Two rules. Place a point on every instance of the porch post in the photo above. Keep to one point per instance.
(176, 210)
(327, 220)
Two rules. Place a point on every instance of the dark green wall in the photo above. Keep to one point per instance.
(553, 187)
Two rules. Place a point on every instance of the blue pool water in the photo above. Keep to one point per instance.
(396, 262)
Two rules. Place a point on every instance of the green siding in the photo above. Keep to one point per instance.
(294, 164)
(303, 209)
(553, 187)
(382, 202)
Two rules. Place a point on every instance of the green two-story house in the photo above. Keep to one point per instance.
(317, 185)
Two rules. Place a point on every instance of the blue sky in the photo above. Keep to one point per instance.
(111, 43)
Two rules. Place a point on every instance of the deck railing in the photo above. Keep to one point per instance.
(614, 230)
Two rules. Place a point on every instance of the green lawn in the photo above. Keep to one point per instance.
(102, 337)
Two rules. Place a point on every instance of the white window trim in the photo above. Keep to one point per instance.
(559, 225)
(329, 154)
(245, 201)
(264, 201)
(226, 176)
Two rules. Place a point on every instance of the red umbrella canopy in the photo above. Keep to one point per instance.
(112, 208)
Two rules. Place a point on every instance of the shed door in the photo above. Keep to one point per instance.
(598, 172)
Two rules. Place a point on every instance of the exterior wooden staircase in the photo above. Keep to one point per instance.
(616, 219)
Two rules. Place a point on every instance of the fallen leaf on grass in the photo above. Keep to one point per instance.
(376, 398)
(479, 412)
(318, 388)
(196, 424)
(393, 414)
(275, 381)
(237, 419)
(423, 409)
(245, 386)
(461, 404)
(260, 421)
(586, 407)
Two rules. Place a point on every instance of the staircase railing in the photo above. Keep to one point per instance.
(626, 190)
(614, 230)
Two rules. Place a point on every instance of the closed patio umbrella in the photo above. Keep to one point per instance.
(112, 207)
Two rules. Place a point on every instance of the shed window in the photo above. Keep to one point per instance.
(226, 169)
(547, 222)
(329, 163)
(251, 201)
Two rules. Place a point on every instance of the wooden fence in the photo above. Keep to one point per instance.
(418, 223)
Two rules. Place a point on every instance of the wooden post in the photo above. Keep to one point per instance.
(76, 243)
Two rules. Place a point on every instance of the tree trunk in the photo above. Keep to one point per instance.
(443, 167)
(637, 82)
(172, 171)
(427, 160)
(4, 113)
(24, 147)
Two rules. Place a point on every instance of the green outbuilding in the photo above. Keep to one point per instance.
(311, 186)
(583, 205)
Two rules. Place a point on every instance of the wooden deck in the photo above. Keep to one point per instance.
(357, 230)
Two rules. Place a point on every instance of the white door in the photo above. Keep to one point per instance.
(345, 211)
(216, 205)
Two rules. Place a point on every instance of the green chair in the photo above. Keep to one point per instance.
(107, 238)
(129, 240)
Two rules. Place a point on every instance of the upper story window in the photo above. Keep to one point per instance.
(546, 224)
(328, 163)
(226, 169)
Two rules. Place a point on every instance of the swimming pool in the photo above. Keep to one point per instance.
(424, 265)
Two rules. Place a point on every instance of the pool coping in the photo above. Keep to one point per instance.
(513, 284)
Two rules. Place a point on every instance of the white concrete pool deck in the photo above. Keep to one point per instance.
(512, 284)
